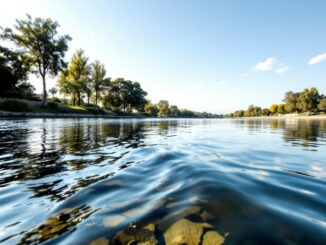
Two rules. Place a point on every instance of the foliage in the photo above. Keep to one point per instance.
(40, 40)
(52, 105)
(151, 109)
(291, 100)
(98, 79)
(281, 108)
(14, 68)
(73, 81)
(163, 107)
(14, 105)
(322, 105)
(53, 91)
(124, 95)
(274, 108)
(308, 100)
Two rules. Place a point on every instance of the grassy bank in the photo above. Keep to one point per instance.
(27, 108)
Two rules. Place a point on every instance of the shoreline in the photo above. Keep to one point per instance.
(323, 116)
(9, 114)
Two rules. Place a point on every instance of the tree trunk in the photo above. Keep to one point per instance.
(96, 97)
(44, 90)
(78, 95)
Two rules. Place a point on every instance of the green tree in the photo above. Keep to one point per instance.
(291, 100)
(174, 111)
(14, 69)
(151, 109)
(274, 108)
(125, 95)
(40, 40)
(281, 109)
(74, 79)
(164, 110)
(322, 105)
(53, 91)
(308, 100)
(98, 79)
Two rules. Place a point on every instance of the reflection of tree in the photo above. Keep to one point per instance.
(29, 163)
(301, 132)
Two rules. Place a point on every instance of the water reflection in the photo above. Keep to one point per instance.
(87, 174)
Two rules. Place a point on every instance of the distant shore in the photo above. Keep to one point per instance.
(321, 116)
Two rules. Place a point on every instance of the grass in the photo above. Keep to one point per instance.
(22, 105)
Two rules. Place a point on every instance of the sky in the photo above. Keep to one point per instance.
(216, 56)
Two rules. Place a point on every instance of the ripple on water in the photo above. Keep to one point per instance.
(231, 181)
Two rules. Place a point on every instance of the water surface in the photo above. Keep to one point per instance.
(71, 181)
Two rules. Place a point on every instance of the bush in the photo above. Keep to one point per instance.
(55, 99)
(93, 106)
(95, 110)
(14, 105)
(52, 105)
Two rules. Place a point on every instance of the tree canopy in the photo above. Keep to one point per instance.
(39, 39)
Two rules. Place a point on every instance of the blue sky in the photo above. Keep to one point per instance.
(215, 56)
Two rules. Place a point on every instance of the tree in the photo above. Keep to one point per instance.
(273, 109)
(125, 95)
(14, 69)
(291, 100)
(74, 79)
(97, 76)
(40, 40)
(163, 106)
(174, 111)
(151, 109)
(308, 100)
(281, 109)
(53, 91)
(322, 105)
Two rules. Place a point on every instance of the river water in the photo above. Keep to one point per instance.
(73, 181)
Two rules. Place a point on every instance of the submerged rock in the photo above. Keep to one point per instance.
(206, 216)
(100, 241)
(113, 221)
(212, 238)
(137, 235)
(185, 232)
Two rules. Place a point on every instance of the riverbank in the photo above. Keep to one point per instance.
(14, 108)
(320, 116)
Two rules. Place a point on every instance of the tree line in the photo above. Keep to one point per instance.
(39, 49)
(308, 101)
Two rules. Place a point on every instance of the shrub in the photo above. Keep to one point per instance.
(95, 110)
(55, 99)
(52, 105)
(14, 105)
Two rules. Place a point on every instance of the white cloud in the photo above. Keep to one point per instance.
(271, 64)
(222, 83)
(281, 69)
(317, 59)
(266, 65)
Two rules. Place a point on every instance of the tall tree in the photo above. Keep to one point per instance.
(98, 79)
(74, 79)
(164, 109)
(53, 91)
(273, 109)
(308, 100)
(291, 100)
(40, 40)
(322, 105)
